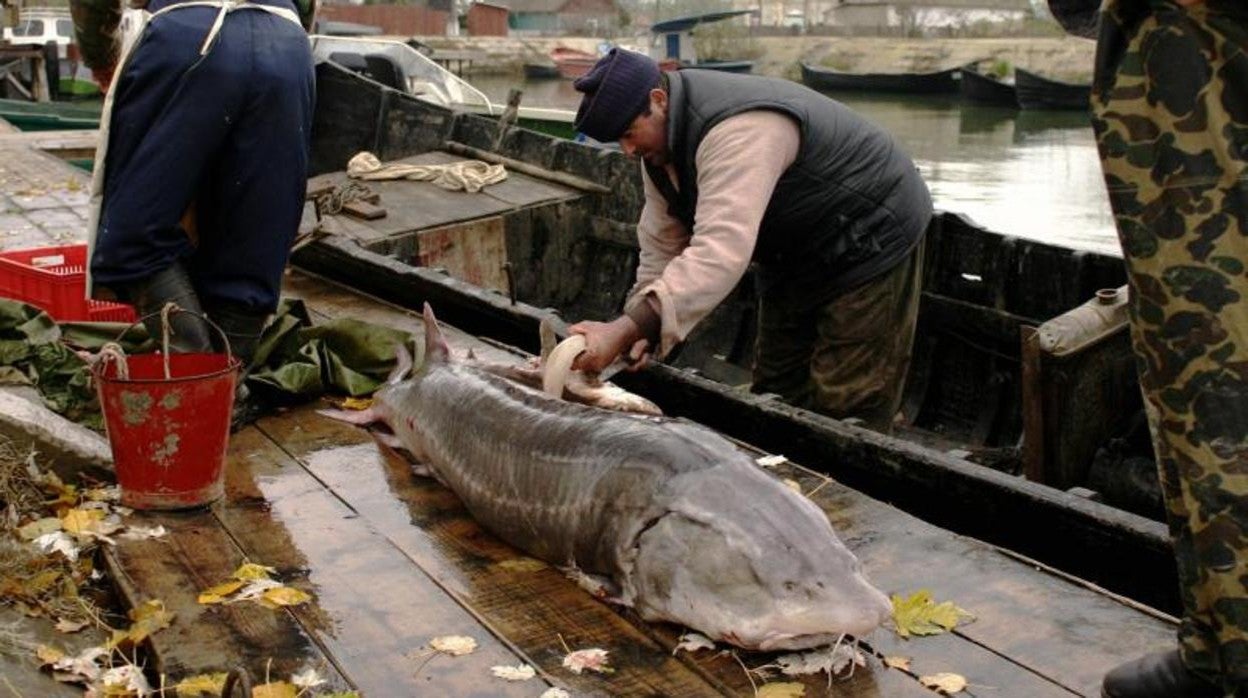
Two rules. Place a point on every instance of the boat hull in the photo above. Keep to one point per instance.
(983, 89)
(826, 79)
(1037, 92)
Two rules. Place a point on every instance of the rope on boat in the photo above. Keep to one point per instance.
(468, 175)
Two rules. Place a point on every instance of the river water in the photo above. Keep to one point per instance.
(1032, 174)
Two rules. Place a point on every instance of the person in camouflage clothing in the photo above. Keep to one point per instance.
(1170, 103)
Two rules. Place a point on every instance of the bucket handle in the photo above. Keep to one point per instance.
(112, 351)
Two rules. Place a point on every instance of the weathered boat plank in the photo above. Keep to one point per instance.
(538, 609)
(1029, 619)
(1033, 617)
(375, 611)
(196, 554)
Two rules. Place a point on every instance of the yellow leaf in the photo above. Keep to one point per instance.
(250, 571)
(149, 617)
(522, 564)
(69, 626)
(902, 663)
(81, 520)
(944, 682)
(286, 596)
(920, 615)
(277, 689)
(357, 403)
(454, 645)
(201, 684)
(48, 655)
(218, 593)
(788, 689)
(34, 529)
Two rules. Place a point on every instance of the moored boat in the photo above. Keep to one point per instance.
(826, 79)
(671, 43)
(1038, 92)
(986, 87)
(991, 442)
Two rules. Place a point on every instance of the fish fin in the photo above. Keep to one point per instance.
(436, 348)
(598, 586)
(388, 439)
(471, 355)
(357, 417)
(402, 364)
(546, 333)
(558, 365)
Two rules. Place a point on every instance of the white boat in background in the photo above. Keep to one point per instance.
(400, 66)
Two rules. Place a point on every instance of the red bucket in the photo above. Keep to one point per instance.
(168, 432)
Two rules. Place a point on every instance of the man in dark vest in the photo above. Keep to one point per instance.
(740, 169)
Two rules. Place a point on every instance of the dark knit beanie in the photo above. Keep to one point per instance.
(616, 89)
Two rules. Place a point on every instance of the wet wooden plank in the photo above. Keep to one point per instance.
(539, 610)
(196, 554)
(1051, 626)
(375, 610)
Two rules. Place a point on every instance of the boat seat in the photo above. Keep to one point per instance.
(351, 61)
(386, 71)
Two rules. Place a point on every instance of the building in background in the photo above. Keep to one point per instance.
(564, 17)
(487, 19)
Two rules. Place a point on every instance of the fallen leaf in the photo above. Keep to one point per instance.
(454, 645)
(308, 678)
(48, 655)
(81, 667)
(201, 684)
(523, 672)
(69, 626)
(692, 642)
(522, 564)
(254, 589)
(218, 593)
(793, 485)
(251, 571)
(81, 520)
(944, 682)
(781, 690)
(357, 403)
(286, 596)
(593, 659)
(111, 493)
(149, 617)
(902, 663)
(39, 528)
(58, 542)
(770, 461)
(920, 615)
(128, 678)
(277, 689)
(555, 693)
(144, 532)
(832, 661)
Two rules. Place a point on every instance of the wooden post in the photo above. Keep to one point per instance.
(508, 117)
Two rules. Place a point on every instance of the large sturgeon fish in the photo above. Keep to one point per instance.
(682, 525)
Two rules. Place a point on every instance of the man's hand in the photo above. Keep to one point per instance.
(604, 341)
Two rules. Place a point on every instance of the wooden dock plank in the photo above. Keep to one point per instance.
(375, 611)
(1067, 632)
(539, 609)
(196, 554)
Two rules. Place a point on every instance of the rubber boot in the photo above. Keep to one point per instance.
(188, 333)
(242, 327)
(1158, 675)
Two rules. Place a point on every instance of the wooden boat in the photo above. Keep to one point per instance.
(827, 79)
(984, 88)
(392, 561)
(572, 63)
(50, 116)
(976, 391)
(1038, 92)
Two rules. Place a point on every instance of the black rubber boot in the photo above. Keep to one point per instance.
(1158, 675)
(188, 333)
(242, 328)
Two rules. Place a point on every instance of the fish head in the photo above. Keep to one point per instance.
(773, 576)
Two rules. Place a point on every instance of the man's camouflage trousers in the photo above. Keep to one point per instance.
(1171, 117)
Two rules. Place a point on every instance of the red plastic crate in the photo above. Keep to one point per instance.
(55, 279)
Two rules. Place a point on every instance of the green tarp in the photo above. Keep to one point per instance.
(295, 360)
